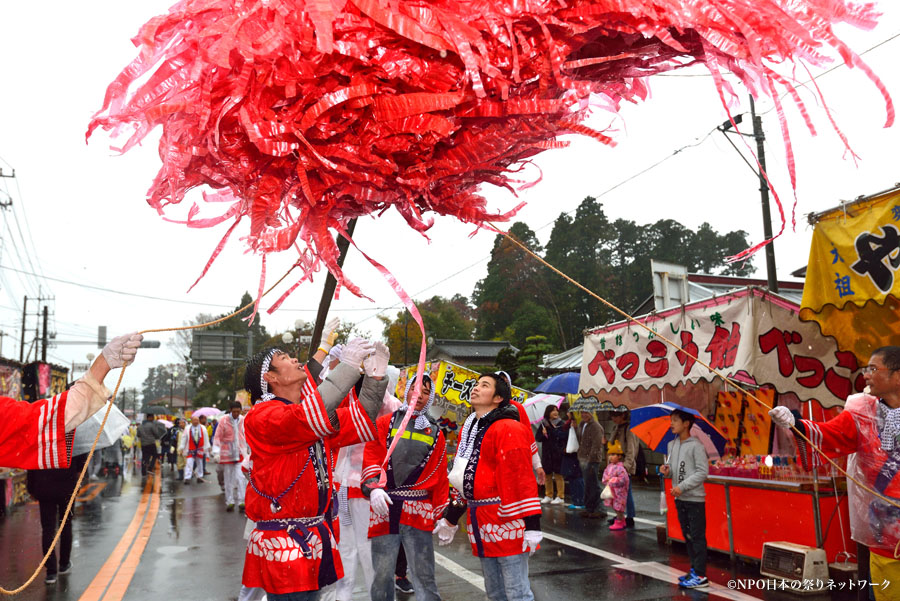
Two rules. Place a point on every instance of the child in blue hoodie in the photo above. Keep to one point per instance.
(688, 466)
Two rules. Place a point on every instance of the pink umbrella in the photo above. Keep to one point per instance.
(208, 412)
(165, 422)
(536, 405)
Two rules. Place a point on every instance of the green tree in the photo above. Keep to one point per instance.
(582, 247)
(443, 318)
(528, 360)
(512, 279)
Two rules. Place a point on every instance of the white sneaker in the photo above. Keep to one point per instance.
(557, 501)
(546, 500)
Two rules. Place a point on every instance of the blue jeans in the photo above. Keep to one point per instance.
(419, 548)
(506, 578)
(298, 596)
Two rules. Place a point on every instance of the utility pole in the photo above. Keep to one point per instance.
(2, 334)
(44, 346)
(764, 196)
(22, 341)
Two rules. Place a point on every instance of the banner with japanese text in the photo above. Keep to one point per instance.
(749, 331)
(852, 285)
(453, 385)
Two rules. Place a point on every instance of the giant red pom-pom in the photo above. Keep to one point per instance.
(303, 114)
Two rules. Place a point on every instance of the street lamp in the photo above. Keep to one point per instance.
(171, 383)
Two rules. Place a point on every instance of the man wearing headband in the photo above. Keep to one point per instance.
(868, 430)
(498, 491)
(293, 431)
(39, 435)
(415, 494)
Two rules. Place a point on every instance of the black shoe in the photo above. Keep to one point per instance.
(229, 507)
(611, 520)
(50, 578)
(241, 508)
(186, 482)
(66, 568)
(629, 522)
(404, 585)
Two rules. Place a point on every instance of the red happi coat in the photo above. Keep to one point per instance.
(418, 513)
(499, 469)
(292, 449)
(526, 421)
(33, 435)
(854, 432)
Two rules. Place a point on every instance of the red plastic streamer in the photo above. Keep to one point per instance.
(308, 113)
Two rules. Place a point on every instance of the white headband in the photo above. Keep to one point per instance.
(264, 386)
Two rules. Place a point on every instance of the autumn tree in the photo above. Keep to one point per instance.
(443, 318)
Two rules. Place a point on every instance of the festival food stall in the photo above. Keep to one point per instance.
(756, 338)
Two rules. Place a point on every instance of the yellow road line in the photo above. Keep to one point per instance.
(100, 582)
(126, 572)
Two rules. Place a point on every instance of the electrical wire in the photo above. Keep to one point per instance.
(157, 298)
(697, 142)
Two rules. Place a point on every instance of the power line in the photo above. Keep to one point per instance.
(157, 298)
(697, 142)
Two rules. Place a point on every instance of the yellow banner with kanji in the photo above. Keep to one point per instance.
(852, 280)
(452, 386)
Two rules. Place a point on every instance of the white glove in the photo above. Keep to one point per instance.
(379, 500)
(376, 365)
(783, 417)
(445, 532)
(329, 334)
(355, 351)
(120, 351)
(531, 541)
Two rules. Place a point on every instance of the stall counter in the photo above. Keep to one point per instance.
(743, 513)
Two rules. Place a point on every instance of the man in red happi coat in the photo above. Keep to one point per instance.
(293, 431)
(868, 430)
(39, 435)
(415, 494)
(493, 472)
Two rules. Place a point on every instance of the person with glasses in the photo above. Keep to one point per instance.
(868, 430)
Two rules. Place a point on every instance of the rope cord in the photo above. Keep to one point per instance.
(730, 381)
(87, 462)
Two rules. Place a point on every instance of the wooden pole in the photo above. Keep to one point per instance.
(328, 293)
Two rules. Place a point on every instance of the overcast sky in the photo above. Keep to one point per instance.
(83, 217)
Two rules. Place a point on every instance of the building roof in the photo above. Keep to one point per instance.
(472, 351)
(703, 285)
(565, 361)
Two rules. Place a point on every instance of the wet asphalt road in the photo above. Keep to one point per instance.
(194, 551)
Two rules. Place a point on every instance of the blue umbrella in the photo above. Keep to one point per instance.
(566, 383)
(651, 425)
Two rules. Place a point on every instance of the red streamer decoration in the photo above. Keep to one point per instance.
(306, 113)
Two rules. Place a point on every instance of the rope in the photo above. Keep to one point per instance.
(87, 462)
(730, 381)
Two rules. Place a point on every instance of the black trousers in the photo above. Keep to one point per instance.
(51, 515)
(692, 517)
(591, 474)
(149, 457)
